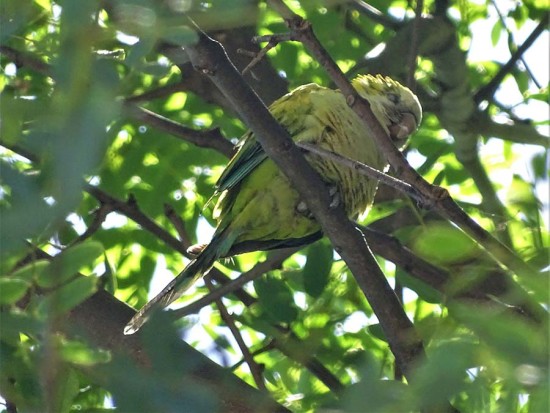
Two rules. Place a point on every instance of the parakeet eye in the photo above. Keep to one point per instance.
(393, 97)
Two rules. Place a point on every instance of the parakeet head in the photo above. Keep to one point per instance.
(394, 105)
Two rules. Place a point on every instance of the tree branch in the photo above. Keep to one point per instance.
(209, 58)
(100, 320)
(212, 139)
(275, 260)
(255, 369)
(207, 139)
(433, 196)
(517, 132)
(376, 15)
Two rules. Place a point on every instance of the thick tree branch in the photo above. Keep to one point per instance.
(209, 57)
(100, 320)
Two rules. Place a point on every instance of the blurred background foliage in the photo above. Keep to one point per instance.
(90, 184)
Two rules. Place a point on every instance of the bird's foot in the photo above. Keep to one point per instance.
(335, 200)
(335, 197)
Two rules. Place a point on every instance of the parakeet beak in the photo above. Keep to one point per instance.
(407, 125)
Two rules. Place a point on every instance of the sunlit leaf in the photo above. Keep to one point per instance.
(12, 289)
(276, 299)
(65, 265)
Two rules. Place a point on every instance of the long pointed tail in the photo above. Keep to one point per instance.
(218, 247)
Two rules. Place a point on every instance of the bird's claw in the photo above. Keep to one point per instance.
(335, 200)
(302, 209)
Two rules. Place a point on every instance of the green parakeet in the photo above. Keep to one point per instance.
(258, 207)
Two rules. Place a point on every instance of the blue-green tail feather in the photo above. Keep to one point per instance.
(219, 247)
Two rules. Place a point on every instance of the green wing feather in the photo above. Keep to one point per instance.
(248, 157)
(250, 153)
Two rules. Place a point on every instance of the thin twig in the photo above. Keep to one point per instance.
(178, 225)
(99, 217)
(212, 139)
(130, 209)
(260, 55)
(255, 368)
(363, 169)
(26, 60)
(160, 92)
(376, 15)
(19, 150)
(487, 91)
(513, 43)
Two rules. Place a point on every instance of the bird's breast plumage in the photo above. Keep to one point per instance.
(341, 131)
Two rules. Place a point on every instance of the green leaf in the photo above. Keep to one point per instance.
(66, 264)
(68, 296)
(376, 331)
(14, 323)
(508, 336)
(443, 243)
(179, 35)
(317, 269)
(276, 299)
(379, 395)
(67, 387)
(443, 374)
(81, 354)
(496, 31)
(12, 289)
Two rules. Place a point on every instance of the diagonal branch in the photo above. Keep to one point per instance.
(212, 138)
(487, 91)
(433, 196)
(376, 15)
(209, 58)
(100, 320)
(254, 367)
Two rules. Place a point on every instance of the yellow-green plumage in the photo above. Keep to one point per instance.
(258, 207)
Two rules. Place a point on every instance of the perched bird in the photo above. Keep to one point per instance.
(257, 206)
